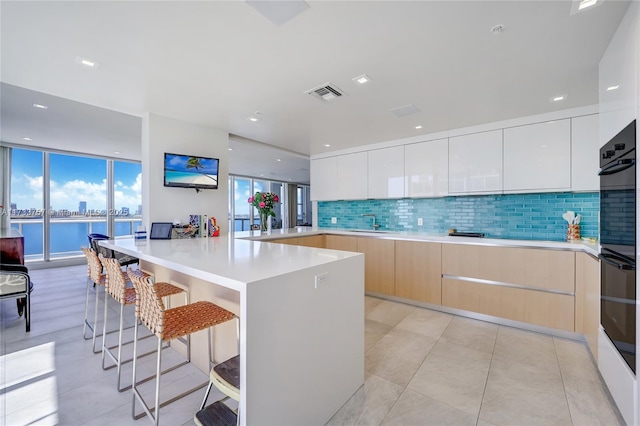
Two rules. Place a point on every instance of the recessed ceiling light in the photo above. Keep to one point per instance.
(116, 152)
(610, 88)
(558, 98)
(252, 118)
(578, 6)
(586, 3)
(418, 127)
(230, 149)
(326, 145)
(362, 79)
(277, 159)
(261, 174)
(27, 139)
(86, 62)
(40, 106)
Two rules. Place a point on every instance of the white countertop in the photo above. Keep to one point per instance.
(225, 260)
(302, 231)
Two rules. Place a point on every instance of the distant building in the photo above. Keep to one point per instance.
(139, 212)
(124, 211)
(14, 206)
(82, 208)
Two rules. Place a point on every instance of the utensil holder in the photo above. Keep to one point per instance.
(573, 232)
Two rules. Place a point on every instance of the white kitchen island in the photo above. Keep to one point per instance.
(302, 319)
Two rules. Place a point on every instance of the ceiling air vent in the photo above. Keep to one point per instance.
(326, 92)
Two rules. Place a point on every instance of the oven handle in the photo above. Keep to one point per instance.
(608, 258)
(618, 166)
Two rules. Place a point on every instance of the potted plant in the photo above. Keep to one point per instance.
(264, 202)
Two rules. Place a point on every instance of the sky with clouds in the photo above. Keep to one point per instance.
(73, 179)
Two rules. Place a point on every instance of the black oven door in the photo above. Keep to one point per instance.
(618, 303)
(618, 242)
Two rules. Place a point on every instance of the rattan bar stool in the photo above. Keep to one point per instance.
(120, 288)
(169, 324)
(98, 279)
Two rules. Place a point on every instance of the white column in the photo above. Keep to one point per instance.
(161, 204)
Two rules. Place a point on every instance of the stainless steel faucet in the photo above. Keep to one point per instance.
(375, 225)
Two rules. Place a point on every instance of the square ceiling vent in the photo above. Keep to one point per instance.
(326, 92)
(405, 110)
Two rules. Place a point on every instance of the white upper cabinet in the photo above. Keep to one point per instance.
(585, 149)
(618, 77)
(323, 174)
(386, 173)
(537, 157)
(352, 176)
(426, 165)
(475, 163)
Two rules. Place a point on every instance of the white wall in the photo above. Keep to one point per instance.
(160, 204)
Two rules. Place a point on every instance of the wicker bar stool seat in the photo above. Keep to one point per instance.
(120, 288)
(169, 324)
(97, 279)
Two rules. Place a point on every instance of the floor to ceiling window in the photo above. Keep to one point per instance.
(127, 197)
(58, 199)
(244, 216)
(27, 205)
(78, 201)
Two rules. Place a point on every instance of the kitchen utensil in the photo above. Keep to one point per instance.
(572, 216)
(566, 217)
(577, 220)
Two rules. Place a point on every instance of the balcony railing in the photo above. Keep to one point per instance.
(67, 235)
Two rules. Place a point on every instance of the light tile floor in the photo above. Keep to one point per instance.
(422, 368)
(426, 367)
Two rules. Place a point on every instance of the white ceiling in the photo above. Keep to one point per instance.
(216, 63)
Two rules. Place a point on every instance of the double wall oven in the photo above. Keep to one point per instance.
(618, 242)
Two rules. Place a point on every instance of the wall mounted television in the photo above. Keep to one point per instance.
(186, 171)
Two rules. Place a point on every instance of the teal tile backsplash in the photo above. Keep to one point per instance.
(513, 216)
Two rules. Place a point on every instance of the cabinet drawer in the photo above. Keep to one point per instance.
(534, 307)
(546, 269)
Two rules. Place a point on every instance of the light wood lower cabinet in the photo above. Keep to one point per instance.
(379, 264)
(317, 241)
(588, 299)
(523, 284)
(290, 241)
(418, 271)
(534, 307)
(547, 269)
(341, 242)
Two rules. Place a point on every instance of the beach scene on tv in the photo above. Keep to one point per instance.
(186, 170)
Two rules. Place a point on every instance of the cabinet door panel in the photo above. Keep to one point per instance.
(538, 156)
(340, 242)
(317, 241)
(352, 176)
(418, 271)
(323, 174)
(386, 172)
(426, 166)
(475, 163)
(379, 264)
(584, 153)
(588, 299)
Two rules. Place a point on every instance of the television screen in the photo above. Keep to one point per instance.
(186, 171)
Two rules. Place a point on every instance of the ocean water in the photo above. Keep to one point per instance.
(66, 237)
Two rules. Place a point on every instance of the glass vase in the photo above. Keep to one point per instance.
(264, 219)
